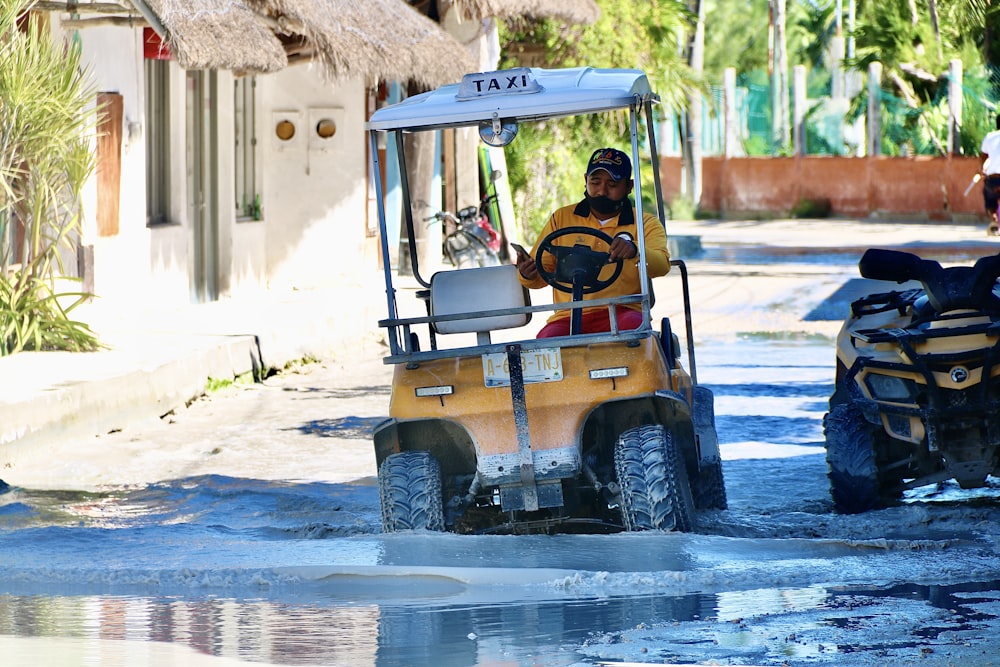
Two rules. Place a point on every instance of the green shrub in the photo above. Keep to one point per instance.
(46, 126)
(32, 318)
(812, 208)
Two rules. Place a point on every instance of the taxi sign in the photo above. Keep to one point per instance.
(554, 93)
(499, 82)
(541, 365)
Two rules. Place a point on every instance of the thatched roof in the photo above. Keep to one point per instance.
(572, 11)
(211, 34)
(379, 39)
(373, 39)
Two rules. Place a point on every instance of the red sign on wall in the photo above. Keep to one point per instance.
(153, 47)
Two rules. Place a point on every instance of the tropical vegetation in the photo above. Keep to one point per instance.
(46, 123)
(914, 40)
(546, 164)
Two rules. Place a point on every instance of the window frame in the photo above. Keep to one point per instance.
(158, 142)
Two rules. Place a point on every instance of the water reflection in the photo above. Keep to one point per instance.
(256, 631)
(363, 634)
(511, 633)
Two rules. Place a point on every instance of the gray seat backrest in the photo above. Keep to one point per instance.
(472, 290)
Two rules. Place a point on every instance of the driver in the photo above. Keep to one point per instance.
(605, 207)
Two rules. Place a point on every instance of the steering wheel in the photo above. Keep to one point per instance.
(578, 266)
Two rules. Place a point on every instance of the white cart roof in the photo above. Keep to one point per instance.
(518, 94)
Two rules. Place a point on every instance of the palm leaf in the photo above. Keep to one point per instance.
(46, 123)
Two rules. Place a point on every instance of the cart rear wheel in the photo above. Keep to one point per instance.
(710, 489)
(410, 492)
(656, 493)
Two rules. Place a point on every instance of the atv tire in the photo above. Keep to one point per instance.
(850, 456)
(655, 492)
(409, 485)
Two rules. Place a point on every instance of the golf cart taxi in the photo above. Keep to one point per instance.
(493, 430)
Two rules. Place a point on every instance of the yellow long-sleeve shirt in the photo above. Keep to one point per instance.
(580, 215)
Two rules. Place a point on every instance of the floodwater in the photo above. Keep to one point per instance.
(299, 573)
(236, 568)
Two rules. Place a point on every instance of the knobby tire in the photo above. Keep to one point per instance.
(850, 457)
(655, 491)
(410, 492)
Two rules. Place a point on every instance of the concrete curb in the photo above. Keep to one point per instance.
(159, 361)
(89, 400)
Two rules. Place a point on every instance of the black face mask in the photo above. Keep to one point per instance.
(604, 204)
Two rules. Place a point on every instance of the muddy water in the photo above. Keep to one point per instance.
(237, 569)
(246, 531)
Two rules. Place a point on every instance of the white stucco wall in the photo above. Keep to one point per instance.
(314, 191)
(168, 248)
(113, 56)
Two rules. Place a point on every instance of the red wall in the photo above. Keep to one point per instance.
(921, 187)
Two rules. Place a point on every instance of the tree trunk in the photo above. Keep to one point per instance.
(779, 79)
(932, 8)
(420, 149)
(692, 129)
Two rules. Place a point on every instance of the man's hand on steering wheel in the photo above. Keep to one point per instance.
(622, 247)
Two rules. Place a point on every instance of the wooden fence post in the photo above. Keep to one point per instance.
(732, 146)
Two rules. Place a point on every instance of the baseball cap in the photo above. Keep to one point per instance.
(612, 161)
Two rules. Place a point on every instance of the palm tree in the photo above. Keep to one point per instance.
(46, 123)
(742, 44)
(914, 42)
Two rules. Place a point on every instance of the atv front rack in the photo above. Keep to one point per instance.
(884, 302)
(920, 334)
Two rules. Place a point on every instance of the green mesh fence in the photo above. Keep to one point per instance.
(755, 116)
(838, 126)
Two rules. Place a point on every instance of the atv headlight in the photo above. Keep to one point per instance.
(890, 387)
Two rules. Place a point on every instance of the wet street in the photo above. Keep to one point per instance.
(245, 530)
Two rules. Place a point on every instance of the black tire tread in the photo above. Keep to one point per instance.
(410, 492)
(710, 488)
(850, 458)
(655, 491)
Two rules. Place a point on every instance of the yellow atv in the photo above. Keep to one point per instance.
(492, 430)
(917, 397)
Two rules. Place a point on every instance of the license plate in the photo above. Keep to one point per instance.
(541, 365)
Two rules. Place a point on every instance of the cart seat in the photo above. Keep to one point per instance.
(474, 290)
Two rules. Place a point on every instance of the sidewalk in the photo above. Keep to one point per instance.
(158, 361)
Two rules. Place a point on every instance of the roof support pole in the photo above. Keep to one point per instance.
(74, 7)
(147, 13)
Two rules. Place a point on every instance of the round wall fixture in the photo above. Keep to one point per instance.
(285, 130)
(326, 128)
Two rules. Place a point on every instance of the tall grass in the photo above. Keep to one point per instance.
(47, 121)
